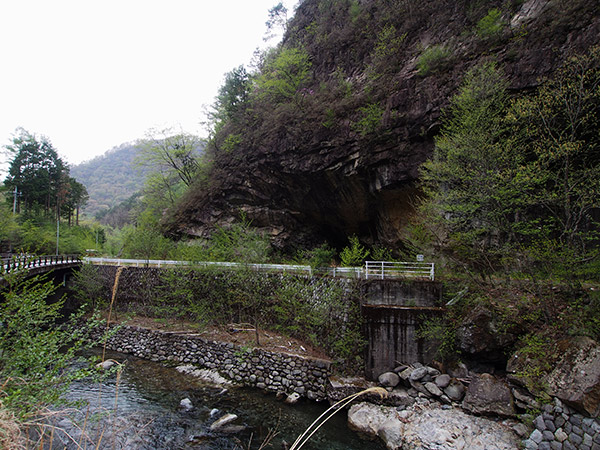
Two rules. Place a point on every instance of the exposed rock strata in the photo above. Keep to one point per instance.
(303, 182)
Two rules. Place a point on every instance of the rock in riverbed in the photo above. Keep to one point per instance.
(430, 428)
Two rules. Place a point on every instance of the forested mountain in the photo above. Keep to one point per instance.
(111, 178)
(327, 138)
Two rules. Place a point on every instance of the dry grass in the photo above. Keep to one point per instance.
(11, 437)
(319, 421)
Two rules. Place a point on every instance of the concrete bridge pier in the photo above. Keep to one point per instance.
(393, 311)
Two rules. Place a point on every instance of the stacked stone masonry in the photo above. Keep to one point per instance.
(276, 372)
(561, 428)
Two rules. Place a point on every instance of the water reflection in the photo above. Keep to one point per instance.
(141, 410)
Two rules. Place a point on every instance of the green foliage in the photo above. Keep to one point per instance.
(9, 229)
(174, 162)
(583, 315)
(562, 121)
(379, 253)
(277, 19)
(443, 332)
(234, 93)
(232, 98)
(42, 178)
(491, 25)
(110, 179)
(90, 289)
(37, 235)
(177, 299)
(370, 121)
(321, 311)
(354, 255)
(239, 242)
(388, 46)
(473, 182)
(145, 242)
(434, 59)
(515, 184)
(318, 257)
(231, 142)
(284, 75)
(537, 352)
(36, 355)
(329, 121)
(354, 10)
(315, 312)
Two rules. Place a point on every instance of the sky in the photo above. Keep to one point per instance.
(91, 75)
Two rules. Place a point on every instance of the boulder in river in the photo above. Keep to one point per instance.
(430, 427)
(186, 404)
(292, 399)
(107, 364)
(223, 421)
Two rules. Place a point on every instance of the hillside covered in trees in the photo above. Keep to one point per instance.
(110, 179)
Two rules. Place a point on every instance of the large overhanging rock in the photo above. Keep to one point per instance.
(576, 377)
(429, 428)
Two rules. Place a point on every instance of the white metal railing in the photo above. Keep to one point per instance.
(388, 269)
(372, 269)
(26, 262)
(284, 268)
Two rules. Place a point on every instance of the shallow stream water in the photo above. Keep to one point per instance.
(140, 409)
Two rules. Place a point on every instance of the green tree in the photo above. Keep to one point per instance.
(36, 171)
(562, 123)
(474, 187)
(239, 243)
(77, 196)
(171, 153)
(144, 240)
(490, 26)
(173, 162)
(355, 254)
(233, 95)
(284, 75)
(512, 181)
(277, 19)
(562, 120)
(9, 228)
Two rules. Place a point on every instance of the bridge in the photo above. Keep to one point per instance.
(35, 265)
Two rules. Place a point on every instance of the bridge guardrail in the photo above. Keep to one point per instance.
(33, 261)
(372, 269)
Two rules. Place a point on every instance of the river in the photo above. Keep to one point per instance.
(140, 409)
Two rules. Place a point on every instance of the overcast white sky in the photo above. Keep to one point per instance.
(91, 75)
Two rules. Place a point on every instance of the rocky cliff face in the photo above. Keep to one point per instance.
(316, 168)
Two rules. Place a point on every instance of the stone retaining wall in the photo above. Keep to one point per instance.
(276, 372)
(561, 428)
